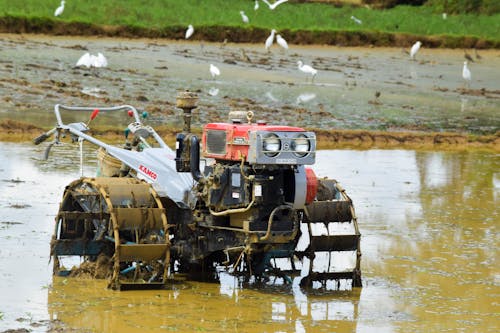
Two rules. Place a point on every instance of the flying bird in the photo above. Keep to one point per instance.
(60, 9)
(270, 39)
(244, 17)
(466, 74)
(189, 31)
(275, 4)
(307, 69)
(414, 49)
(214, 71)
(355, 19)
(256, 5)
(281, 42)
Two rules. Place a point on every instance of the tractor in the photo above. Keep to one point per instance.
(242, 198)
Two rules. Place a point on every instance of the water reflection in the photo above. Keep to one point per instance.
(429, 223)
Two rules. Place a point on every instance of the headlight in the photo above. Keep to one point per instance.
(271, 145)
(301, 146)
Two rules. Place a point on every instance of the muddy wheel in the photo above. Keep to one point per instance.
(120, 218)
(332, 209)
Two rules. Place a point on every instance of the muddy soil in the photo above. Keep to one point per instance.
(356, 89)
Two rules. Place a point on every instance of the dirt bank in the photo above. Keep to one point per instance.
(16, 131)
(11, 24)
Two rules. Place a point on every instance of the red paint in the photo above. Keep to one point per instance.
(94, 114)
(234, 133)
(312, 185)
(148, 172)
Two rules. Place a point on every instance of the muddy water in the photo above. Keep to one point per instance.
(430, 225)
(37, 72)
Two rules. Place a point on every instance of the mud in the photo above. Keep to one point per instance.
(358, 90)
(429, 240)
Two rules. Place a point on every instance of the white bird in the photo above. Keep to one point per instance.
(244, 17)
(282, 42)
(60, 9)
(445, 16)
(89, 60)
(307, 69)
(84, 60)
(275, 4)
(256, 5)
(214, 71)
(357, 20)
(100, 61)
(270, 39)
(466, 74)
(189, 31)
(414, 49)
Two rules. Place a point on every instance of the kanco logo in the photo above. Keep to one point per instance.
(148, 172)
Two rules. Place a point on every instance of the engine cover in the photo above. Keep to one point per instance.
(259, 143)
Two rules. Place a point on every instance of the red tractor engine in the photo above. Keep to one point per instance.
(254, 179)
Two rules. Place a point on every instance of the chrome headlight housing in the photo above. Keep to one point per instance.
(301, 145)
(281, 147)
(271, 144)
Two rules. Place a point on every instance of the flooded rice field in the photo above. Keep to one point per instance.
(430, 239)
(355, 88)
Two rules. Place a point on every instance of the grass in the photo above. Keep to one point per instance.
(164, 14)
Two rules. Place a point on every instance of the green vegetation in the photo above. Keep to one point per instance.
(167, 16)
(487, 7)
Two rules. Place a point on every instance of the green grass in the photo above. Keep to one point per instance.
(164, 14)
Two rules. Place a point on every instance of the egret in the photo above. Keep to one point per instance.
(282, 42)
(214, 71)
(100, 61)
(256, 5)
(244, 17)
(357, 20)
(307, 69)
(466, 74)
(270, 39)
(84, 60)
(275, 4)
(414, 49)
(189, 31)
(60, 9)
(89, 60)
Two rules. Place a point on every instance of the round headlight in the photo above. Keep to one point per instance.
(301, 146)
(271, 145)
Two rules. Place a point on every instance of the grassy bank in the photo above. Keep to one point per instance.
(302, 23)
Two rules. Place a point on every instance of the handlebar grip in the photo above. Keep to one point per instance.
(40, 138)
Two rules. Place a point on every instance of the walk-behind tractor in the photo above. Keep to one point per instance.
(242, 198)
